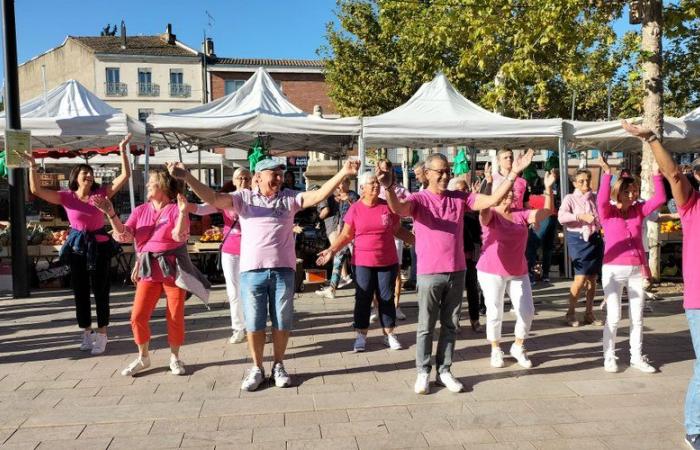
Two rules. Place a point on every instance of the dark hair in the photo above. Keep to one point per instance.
(171, 186)
(73, 177)
(620, 185)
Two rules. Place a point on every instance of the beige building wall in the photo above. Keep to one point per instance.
(160, 75)
(68, 61)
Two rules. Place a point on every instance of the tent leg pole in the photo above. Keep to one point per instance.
(563, 191)
(146, 159)
(361, 152)
(130, 158)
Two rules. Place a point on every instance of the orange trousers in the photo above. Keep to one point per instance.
(147, 295)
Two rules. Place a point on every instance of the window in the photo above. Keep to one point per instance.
(112, 85)
(178, 88)
(112, 74)
(176, 76)
(146, 86)
(144, 76)
(144, 113)
(231, 86)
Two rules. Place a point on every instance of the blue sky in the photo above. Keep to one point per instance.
(240, 28)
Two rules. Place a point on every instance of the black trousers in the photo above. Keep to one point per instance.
(471, 283)
(97, 281)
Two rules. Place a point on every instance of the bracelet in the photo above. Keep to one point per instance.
(651, 138)
(512, 180)
(113, 216)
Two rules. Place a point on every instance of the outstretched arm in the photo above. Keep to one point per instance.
(313, 198)
(483, 201)
(123, 177)
(35, 188)
(207, 194)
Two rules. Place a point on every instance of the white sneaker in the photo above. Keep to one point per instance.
(642, 363)
(237, 337)
(391, 341)
(497, 358)
(374, 316)
(177, 367)
(449, 381)
(88, 338)
(520, 354)
(610, 364)
(345, 281)
(422, 385)
(280, 375)
(252, 381)
(137, 366)
(326, 292)
(360, 343)
(400, 315)
(100, 344)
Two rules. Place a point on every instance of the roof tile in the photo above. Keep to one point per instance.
(135, 45)
(257, 62)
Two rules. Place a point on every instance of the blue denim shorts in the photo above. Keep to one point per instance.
(268, 290)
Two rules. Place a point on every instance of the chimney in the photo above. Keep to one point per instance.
(123, 35)
(168, 36)
(209, 47)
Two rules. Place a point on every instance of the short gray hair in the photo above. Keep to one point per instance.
(435, 156)
(419, 165)
(240, 171)
(365, 178)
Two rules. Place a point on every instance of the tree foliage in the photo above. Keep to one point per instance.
(523, 58)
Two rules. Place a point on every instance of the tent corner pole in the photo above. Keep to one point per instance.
(146, 158)
(563, 191)
(130, 159)
(361, 148)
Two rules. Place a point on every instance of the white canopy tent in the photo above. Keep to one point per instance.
(258, 108)
(207, 160)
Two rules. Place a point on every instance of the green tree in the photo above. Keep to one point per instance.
(682, 57)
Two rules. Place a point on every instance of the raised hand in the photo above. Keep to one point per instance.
(637, 130)
(488, 175)
(523, 161)
(177, 170)
(28, 158)
(604, 165)
(125, 141)
(324, 256)
(182, 204)
(102, 203)
(384, 177)
(351, 167)
(549, 180)
(475, 186)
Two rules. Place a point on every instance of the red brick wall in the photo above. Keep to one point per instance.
(302, 89)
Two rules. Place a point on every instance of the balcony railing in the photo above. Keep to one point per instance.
(116, 89)
(149, 90)
(180, 90)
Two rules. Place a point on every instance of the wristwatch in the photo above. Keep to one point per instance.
(651, 138)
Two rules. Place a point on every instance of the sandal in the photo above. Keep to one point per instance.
(571, 320)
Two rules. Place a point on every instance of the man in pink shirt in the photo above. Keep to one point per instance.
(438, 216)
(268, 260)
(688, 202)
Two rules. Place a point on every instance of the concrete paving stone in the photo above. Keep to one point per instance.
(659, 424)
(272, 434)
(543, 418)
(116, 380)
(170, 440)
(217, 438)
(403, 440)
(270, 391)
(185, 425)
(127, 429)
(21, 445)
(467, 421)
(359, 428)
(591, 442)
(645, 441)
(524, 433)
(279, 445)
(49, 384)
(614, 386)
(57, 394)
(249, 421)
(432, 411)
(140, 399)
(72, 444)
(417, 425)
(585, 429)
(633, 400)
(386, 412)
(260, 405)
(501, 446)
(316, 417)
(341, 443)
(441, 438)
(30, 434)
(371, 400)
(23, 395)
(500, 406)
(314, 388)
(133, 389)
(88, 401)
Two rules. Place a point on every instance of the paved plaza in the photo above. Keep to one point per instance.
(53, 396)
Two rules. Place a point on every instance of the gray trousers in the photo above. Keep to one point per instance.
(439, 296)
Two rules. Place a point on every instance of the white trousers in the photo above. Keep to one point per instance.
(615, 278)
(231, 265)
(494, 289)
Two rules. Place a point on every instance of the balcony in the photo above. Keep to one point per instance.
(116, 90)
(149, 90)
(180, 90)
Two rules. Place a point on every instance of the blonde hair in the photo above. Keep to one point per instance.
(620, 185)
(166, 183)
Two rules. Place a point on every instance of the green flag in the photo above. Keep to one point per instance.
(461, 163)
(256, 154)
(3, 166)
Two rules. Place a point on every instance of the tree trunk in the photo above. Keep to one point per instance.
(653, 112)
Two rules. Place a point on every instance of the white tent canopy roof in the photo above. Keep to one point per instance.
(257, 108)
(70, 116)
(438, 114)
(191, 160)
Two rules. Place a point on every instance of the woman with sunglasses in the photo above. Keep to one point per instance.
(579, 216)
(231, 254)
(623, 260)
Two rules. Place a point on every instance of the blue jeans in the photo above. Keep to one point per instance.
(371, 280)
(692, 397)
(543, 237)
(264, 290)
(338, 261)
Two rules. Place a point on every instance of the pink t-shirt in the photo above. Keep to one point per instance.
(267, 224)
(690, 219)
(374, 234)
(519, 188)
(152, 231)
(623, 234)
(232, 238)
(83, 216)
(438, 223)
(503, 244)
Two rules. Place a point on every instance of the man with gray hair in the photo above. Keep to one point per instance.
(438, 218)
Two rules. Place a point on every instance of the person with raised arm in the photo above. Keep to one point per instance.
(438, 217)
(266, 214)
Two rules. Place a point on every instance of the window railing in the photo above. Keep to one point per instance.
(116, 89)
(180, 90)
(149, 90)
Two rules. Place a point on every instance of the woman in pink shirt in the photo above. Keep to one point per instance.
(157, 228)
(372, 226)
(502, 263)
(624, 260)
(88, 249)
(578, 214)
(231, 254)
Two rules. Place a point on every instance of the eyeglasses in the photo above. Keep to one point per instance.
(441, 172)
(243, 178)
(582, 181)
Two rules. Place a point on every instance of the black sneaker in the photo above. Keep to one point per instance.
(693, 441)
